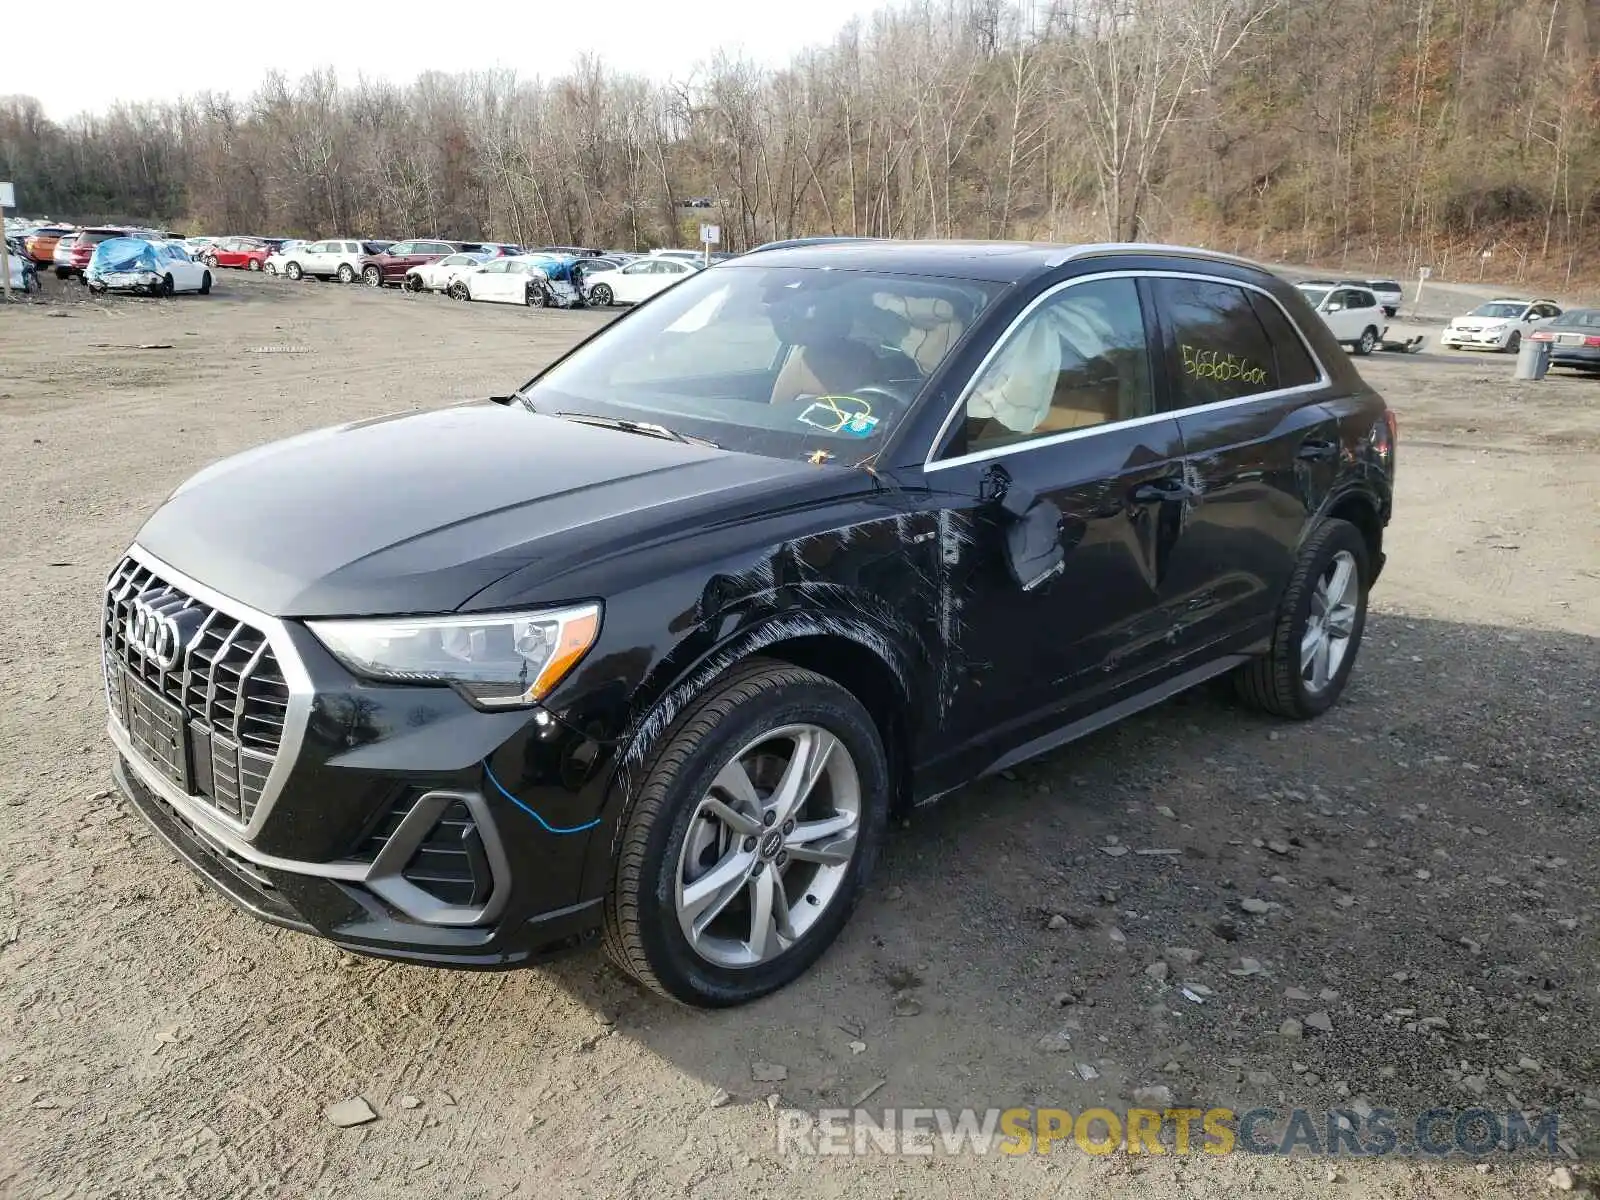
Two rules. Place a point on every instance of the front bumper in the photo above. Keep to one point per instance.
(1489, 339)
(394, 821)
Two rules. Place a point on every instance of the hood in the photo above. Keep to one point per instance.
(419, 512)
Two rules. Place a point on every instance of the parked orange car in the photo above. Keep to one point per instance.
(41, 244)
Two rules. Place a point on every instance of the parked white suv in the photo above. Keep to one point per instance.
(1498, 324)
(335, 259)
(1389, 294)
(1353, 313)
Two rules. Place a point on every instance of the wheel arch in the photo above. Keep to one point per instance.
(850, 650)
(1361, 510)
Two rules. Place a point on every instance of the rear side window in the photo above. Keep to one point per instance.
(1219, 349)
(1295, 365)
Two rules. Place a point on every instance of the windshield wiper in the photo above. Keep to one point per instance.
(648, 428)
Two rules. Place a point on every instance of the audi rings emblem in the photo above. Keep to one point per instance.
(160, 625)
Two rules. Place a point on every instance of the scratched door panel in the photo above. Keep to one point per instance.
(1024, 662)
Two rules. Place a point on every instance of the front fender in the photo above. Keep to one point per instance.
(701, 658)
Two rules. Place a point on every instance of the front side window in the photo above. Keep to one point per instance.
(1219, 350)
(1077, 360)
(783, 361)
(498, 267)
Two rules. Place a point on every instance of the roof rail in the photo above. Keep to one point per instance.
(1093, 249)
(786, 243)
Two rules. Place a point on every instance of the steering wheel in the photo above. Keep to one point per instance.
(893, 393)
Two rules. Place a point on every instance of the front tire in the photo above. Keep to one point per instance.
(371, 276)
(1514, 342)
(601, 295)
(413, 283)
(751, 837)
(346, 273)
(1367, 342)
(1318, 634)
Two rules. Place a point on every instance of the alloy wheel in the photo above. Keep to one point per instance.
(1330, 622)
(769, 846)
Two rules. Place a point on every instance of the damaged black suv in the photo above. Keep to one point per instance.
(654, 646)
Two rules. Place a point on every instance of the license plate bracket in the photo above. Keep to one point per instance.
(158, 731)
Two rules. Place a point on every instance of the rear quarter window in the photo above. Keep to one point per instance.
(1295, 365)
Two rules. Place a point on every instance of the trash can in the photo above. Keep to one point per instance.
(1533, 360)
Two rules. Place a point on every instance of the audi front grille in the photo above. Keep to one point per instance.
(199, 693)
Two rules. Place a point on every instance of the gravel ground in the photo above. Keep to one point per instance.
(1394, 906)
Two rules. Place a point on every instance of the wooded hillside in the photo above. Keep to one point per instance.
(1392, 131)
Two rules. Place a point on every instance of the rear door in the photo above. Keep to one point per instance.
(1260, 453)
(1061, 417)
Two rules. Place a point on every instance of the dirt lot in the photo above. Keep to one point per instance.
(1429, 850)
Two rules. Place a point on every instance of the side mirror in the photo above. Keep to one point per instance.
(1335, 306)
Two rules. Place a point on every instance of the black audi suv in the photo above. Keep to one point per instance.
(653, 647)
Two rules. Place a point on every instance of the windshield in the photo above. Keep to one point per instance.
(782, 361)
(1315, 295)
(1509, 312)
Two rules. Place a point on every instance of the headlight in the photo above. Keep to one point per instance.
(496, 660)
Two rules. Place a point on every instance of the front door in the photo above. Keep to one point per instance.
(1062, 415)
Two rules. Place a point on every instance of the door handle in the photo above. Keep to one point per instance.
(1160, 490)
(1317, 450)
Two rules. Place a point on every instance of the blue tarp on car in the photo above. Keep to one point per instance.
(130, 255)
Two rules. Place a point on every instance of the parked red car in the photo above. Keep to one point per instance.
(244, 252)
(83, 248)
(391, 265)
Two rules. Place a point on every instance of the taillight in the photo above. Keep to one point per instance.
(1591, 340)
(1543, 336)
(1384, 435)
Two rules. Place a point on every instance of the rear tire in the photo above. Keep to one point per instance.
(293, 271)
(205, 284)
(1277, 681)
(347, 273)
(536, 297)
(458, 291)
(601, 295)
(413, 283)
(1367, 343)
(255, 264)
(747, 717)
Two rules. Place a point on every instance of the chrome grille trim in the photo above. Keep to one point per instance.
(221, 693)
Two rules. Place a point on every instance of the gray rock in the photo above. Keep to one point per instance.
(1527, 1064)
(410, 1102)
(765, 1072)
(1561, 1179)
(1058, 1042)
(1255, 907)
(1320, 1020)
(1476, 1084)
(1247, 966)
(1296, 994)
(719, 1099)
(1278, 847)
(1291, 1028)
(1163, 810)
(1057, 922)
(1157, 971)
(1087, 1073)
(1155, 1096)
(354, 1111)
(1182, 955)
(1114, 851)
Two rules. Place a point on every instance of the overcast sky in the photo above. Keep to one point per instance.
(178, 47)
